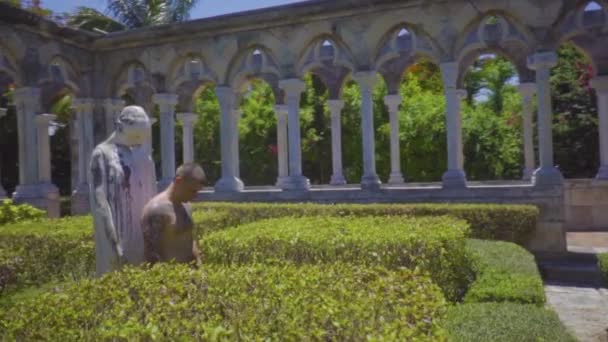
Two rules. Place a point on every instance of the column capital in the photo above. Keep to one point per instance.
(281, 109)
(3, 112)
(44, 119)
(335, 106)
(83, 105)
(449, 74)
(225, 96)
(527, 89)
(542, 60)
(600, 84)
(393, 102)
(366, 79)
(26, 93)
(165, 99)
(292, 86)
(189, 118)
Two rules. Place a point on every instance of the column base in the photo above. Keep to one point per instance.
(280, 182)
(296, 183)
(602, 173)
(229, 184)
(337, 179)
(80, 201)
(454, 179)
(549, 176)
(44, 196)
(528, 173)
(370, 182)
(396, 178)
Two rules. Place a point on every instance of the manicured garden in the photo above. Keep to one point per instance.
(289, 272)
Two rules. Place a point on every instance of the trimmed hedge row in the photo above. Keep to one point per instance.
(504, 322)
(338, 302)
(37, 252)
(603, 264)
(432, 244)
(11, 213)
(512, 223)
(504, 272)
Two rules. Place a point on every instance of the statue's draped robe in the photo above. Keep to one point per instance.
(128, 180)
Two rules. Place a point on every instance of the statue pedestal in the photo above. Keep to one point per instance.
(43, 196)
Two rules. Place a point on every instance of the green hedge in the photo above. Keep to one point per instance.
(504, 272)
(338, 302)
(512, 223)
(432, 244)
(11, 213)
(603, 264)
(504, 322)
(37, 252)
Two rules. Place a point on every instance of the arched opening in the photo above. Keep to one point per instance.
(575, 129)
(593, 14)
(492, 119)
(258, 149)
(207, 143)
(9, 158)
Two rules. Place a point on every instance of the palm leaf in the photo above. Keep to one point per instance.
(89, 19)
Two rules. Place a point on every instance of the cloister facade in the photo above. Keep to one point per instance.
(359, 40)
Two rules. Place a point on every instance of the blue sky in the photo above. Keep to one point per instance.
(205, 8)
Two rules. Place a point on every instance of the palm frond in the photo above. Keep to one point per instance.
(87, 18)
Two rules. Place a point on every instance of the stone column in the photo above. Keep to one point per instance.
(455, 176)
(282, 146)
(27, 103)
(293, 89)
(166, 105)
(188, 120)
(527, 91)
(600, 84)
(112, 108)
(49, 193)
(547, 174)
(335, 109)
(148, 144)
(83, 126)
(367, 80)
(229, 136)
(2, 191)
(393, 102)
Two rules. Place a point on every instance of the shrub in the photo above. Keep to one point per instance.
(10, 212)
(432, 244)
(603, 264)
(337, 302)
(33, 253)
(503, 322)
(504, 272)
(512, 223)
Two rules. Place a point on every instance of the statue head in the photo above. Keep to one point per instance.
(189, 180)
(133, 126)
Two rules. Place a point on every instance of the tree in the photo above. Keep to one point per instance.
(131, 14)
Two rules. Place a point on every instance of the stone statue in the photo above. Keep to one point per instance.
(167, 219)
(122, 180)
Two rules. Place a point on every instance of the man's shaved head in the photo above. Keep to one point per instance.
(191, 171)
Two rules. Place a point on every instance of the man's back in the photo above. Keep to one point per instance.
(167, 230)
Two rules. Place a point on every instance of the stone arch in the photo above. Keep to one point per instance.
(255, 62)
(186, 76)
(329, 59)
(135, 84)
(583, 26)
(59, 79)
(495, 32)
(8, 64)
(400, 47)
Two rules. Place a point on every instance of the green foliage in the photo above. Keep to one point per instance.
(37, 252)
(603, 264)
(430, 244)
(336, 302)
(207, 145)
(505, 273)
(512, 223)
(575, 130)
(11, 213)
(503, 322)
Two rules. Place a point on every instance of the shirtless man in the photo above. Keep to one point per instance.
(167, 219)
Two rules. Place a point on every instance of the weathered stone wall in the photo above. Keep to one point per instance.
(586, 204)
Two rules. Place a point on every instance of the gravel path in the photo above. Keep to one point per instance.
(584, 311)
